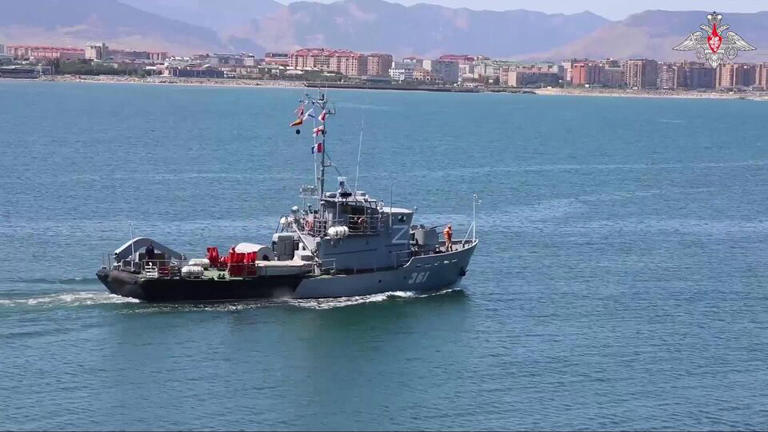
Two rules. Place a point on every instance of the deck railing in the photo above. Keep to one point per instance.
(358, 225)
(162, 269)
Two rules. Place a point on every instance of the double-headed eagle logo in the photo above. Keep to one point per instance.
(714, 42)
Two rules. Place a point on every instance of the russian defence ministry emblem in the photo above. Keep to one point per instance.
(715, 43)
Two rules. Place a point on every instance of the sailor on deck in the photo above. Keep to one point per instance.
(149, 253)
(448, 234)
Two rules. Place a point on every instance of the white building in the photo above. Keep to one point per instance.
(2, 49)
(250, 60)
(96, 51)
(402, 71)
(466, 70)
(492, 70)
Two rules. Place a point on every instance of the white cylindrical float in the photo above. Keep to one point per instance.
(200, 262)
(338, 232)
(192, 272)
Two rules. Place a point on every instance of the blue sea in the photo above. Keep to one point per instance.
(621, 281)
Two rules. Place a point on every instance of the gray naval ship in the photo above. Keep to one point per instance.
(342, 243)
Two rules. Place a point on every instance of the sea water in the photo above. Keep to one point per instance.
(621, 281)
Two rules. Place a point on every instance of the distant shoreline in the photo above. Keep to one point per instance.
(676, 94)
(161, 80)
(229, 82)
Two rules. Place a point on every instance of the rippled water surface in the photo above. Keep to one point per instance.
(621, 281)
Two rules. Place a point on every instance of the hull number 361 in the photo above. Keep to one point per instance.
(418, 278)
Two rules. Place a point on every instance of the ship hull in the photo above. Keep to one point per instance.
(422, 274)
(127, 284)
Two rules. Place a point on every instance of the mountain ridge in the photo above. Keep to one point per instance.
(75, 22)
(420, 29)
(191, 26)
(653, 34)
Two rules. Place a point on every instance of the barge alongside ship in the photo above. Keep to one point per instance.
(346, 244)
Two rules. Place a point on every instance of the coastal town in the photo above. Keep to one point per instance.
(348, 69)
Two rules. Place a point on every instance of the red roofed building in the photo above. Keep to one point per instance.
(31, 52)
(458, 58)
(379, 64)
(349, 63)
(311, 58)
(586, 73)
(346, 62)
(279, 59)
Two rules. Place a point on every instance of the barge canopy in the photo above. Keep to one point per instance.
(135, 245)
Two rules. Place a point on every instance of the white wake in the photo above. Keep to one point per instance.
(333, 303)
(67, 300)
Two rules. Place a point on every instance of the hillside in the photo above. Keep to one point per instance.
(653, 34)
(429, 30)
(224, 16)
(75, 22)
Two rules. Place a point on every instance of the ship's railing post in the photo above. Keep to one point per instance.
(470, 230)
(401, 258)
(475, 202)
(375, 223)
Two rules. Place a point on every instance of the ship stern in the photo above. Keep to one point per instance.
(121, 283)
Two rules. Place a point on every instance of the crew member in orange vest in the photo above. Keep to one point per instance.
(448, 234)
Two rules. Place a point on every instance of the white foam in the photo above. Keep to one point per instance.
(68, 300)
(332, 303)
(314, 304)
(97, 298)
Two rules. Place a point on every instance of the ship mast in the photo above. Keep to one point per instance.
(322, 102)
(319, 110)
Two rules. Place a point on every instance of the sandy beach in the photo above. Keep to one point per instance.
(228, 82)
(163, 80)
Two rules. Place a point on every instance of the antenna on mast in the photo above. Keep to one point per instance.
(321, 102)
(359, 152)
(360, 146)
(475, 202)
(133, 252)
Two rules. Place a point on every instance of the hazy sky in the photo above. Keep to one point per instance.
(612, 9)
